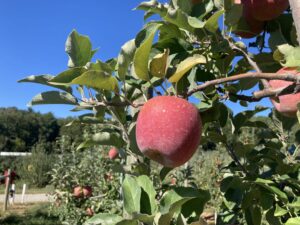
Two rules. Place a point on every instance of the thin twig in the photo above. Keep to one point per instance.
(252, 63)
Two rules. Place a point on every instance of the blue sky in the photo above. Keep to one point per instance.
(33, 34)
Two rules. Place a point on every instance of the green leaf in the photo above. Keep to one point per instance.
(242, 119)
(141, 56)
(147, 219)
(293, 221)
(131, 195)
(148, 201)
(280, 211)
(267, 184)
(79, 49)
(100, 66)
(125, 57)
(295, 204)
(212, 24)
(271, 218)
(288, 55)
(104, 218)
(103, 138)
(158, 65)
(253, 215)
(66, 77)
(164, 172)
(184, 66)
(187, 199)
(44, 79)
(53, 97)
(98, 80)
(128, 222)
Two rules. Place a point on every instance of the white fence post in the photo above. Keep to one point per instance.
(23, 193)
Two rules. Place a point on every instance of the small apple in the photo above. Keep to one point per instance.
(87, 191)
(265, 10)
(89, 211)
(80, 191)
(173, 181)
(77, 192)
(285, 104)
(113, 153)
(168, 130)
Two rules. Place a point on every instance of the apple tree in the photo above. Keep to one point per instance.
(167, 93)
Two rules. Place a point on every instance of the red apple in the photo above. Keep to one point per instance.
(78, 192)
(89, 211)
(113, 153)
(285, 104)
(195, 2)
(173, 181)
(255, 27)
(168, 130)
(264, 10)
(87, 191)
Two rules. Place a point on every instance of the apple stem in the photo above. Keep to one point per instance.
(295, 7)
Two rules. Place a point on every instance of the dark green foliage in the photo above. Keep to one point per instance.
(20, 129)
(35, 169)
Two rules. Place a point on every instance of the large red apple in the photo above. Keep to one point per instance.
(285, 104)
(168, 130)
(113, 153)
(255, 27)
(264, 10)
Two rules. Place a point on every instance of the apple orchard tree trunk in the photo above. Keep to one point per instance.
(295, 7)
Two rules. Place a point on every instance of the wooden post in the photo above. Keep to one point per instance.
(295, 6)
(7, 184)
(23, 193)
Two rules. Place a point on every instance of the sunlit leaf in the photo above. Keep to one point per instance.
(184, 66)
(97, 79)
(158, 65)
(131, 194)
(79, 49)
(104, 218)
(125, 57)
(141, 56)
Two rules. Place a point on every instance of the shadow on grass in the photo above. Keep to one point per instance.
(36, 216)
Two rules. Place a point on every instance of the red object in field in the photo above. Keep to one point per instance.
(13, 175)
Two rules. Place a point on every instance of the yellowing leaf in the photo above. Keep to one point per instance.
(158, 64)
(185, 66)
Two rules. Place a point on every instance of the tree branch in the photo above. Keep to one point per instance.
(267, 76)
(258, 95)
(252, 63)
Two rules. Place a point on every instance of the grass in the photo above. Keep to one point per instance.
(28, 214)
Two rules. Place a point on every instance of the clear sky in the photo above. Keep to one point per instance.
(33, 34)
